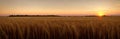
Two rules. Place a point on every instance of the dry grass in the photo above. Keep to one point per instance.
(59, 28)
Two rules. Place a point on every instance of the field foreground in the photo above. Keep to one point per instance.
(59, 28)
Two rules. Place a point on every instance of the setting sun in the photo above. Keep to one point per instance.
(101, 13)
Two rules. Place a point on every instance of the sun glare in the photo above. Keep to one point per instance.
(101, 10)
(101, 14)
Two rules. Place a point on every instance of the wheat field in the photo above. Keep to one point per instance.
(59, 28)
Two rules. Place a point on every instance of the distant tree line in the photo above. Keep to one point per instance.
(51, 16)
(34, 16)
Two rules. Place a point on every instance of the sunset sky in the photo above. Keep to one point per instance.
(59, 7)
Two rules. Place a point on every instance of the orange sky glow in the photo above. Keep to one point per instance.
(59, 7)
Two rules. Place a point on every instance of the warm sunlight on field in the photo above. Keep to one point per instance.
(59, 19)
(59, 28)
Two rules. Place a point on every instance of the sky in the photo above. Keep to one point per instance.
(59, 7)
